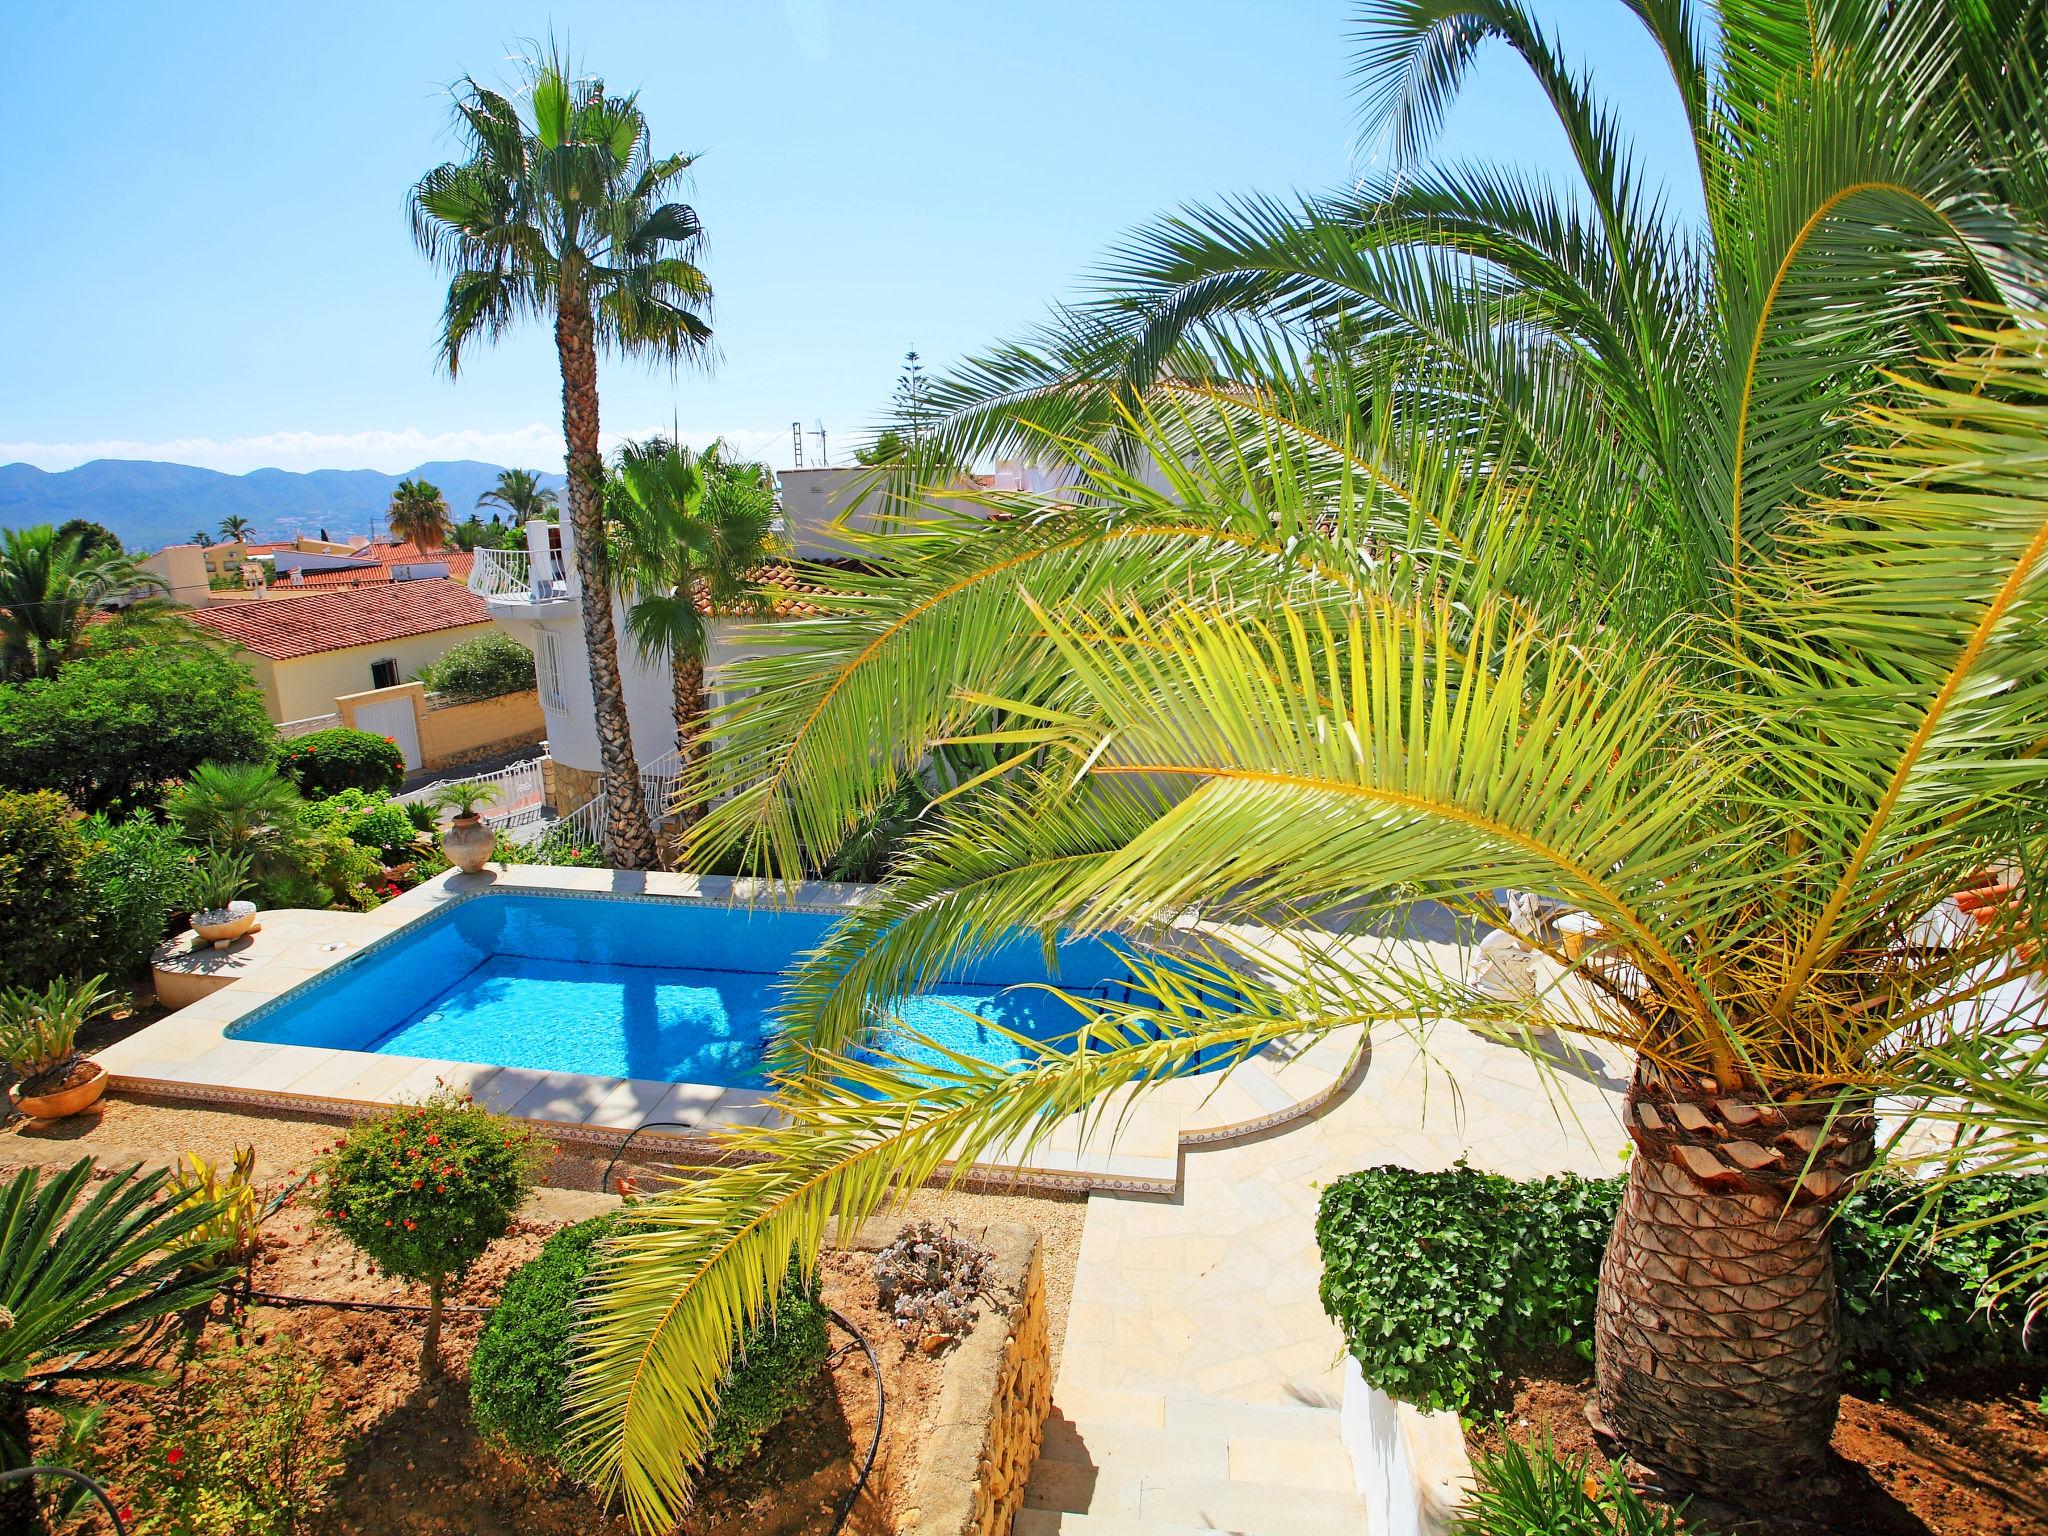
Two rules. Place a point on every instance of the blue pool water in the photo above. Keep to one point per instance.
(637, 987)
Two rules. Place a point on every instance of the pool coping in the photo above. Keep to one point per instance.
(190, 1054)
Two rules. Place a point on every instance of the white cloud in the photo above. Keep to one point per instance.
(536, 445)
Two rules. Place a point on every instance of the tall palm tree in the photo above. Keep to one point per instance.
(688, 533)
(519, 492)
(1448, 536)
(51, 592)
(202, 538)
(419, 515)
(234, 528)
(558, 213)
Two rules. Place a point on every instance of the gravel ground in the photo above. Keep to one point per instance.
(160, 1132)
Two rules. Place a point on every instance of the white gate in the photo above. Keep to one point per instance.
(394, 718)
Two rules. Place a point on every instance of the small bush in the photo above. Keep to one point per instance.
(324, 763)
(112, 728)
(1437, 1279)
(1522, 1492)
(929, 1279)
(137, 876)
(424, 1190)
(45, 913)
(486, 667)
(248, 1450)
(323, 869)
(522, 1359)
(368, 821)
(550, 849)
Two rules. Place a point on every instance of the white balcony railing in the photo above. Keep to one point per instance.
(510, 574)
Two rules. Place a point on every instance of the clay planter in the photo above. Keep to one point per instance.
(65, 1101)
(223, 925)
(468, 843)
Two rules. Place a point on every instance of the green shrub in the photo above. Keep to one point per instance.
(1437, 1279)
(324, 763)
(1434, 1276)
(368, 821)
(112, 728)
(247, 1449)
(45, 916)
(550, 849)
(522, 1359)
(423, 1190)
(1522, 1492)
(486, 667)
(323, 869)
(137, 876)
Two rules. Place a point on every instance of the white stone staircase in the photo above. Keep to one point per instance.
(1119, 1463)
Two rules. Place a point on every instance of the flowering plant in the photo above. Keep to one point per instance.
(424, 1190)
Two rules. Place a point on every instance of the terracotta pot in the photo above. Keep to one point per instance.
(223, 925)
(468, 843)
(67, 1101)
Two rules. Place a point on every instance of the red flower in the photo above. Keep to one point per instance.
(409, 1223)
(393, 740)
(433, 1141)
(174, 1455)
(124, 1514)
(416, 1183)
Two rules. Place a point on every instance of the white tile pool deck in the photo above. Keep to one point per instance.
(191, 1055)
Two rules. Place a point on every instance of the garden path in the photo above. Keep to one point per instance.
(1201, 1378)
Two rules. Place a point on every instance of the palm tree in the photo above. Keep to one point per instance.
(519, 492)
(235, 528)
(1449, 536)
(558, 214)
(92, 1279)
(202, 538)
(246, 810)
(419, 515)
(51, 591)
(688, 532)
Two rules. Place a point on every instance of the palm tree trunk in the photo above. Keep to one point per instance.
(1718, 1338)
(690, 711)
(629, 838)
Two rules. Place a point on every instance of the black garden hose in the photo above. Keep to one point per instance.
(604, 1184)
(91, 1486)
(881, 1406)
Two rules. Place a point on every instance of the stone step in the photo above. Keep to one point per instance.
(1161, 1494)
(1114, 1408)
(1061, 1522)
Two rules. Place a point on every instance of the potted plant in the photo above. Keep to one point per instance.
(220, 918)
(466, 840)
(39, 1042)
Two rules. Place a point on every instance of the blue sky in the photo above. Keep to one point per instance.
(208, 259)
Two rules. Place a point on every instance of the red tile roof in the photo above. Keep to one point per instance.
(387, 555)
(284, 626)
(785, 591)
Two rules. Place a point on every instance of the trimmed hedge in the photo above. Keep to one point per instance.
(324, 763)
(521, 1363)
(1438, 1279)
(486, 667)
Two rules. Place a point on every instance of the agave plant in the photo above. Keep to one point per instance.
(90, 1276)
(39, 1027)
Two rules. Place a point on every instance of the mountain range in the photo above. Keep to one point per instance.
(150, 504)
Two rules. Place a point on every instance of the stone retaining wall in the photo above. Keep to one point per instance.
(993, 1403)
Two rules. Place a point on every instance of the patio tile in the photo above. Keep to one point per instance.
(687, 1103)
(566, 1097)
(631, 1101)
(281, 1068)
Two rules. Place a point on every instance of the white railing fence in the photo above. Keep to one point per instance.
(511, 573)
(521, 802)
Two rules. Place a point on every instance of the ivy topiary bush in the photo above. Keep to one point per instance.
(424, 1190)
(45, 913)
(1440, 1279)
(487, 666)
(324, 763)
(522, 1358)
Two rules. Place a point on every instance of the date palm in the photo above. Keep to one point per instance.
(418, 515)
(689, 531)
(235, 528)
(519, 492)
(1451, 535)
(558, 213)
(51, 591)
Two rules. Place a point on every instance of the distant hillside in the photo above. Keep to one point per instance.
(150, 504)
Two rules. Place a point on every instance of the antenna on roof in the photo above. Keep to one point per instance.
(796, 439)
(818, 431)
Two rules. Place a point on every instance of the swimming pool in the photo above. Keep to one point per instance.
(637, 987)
